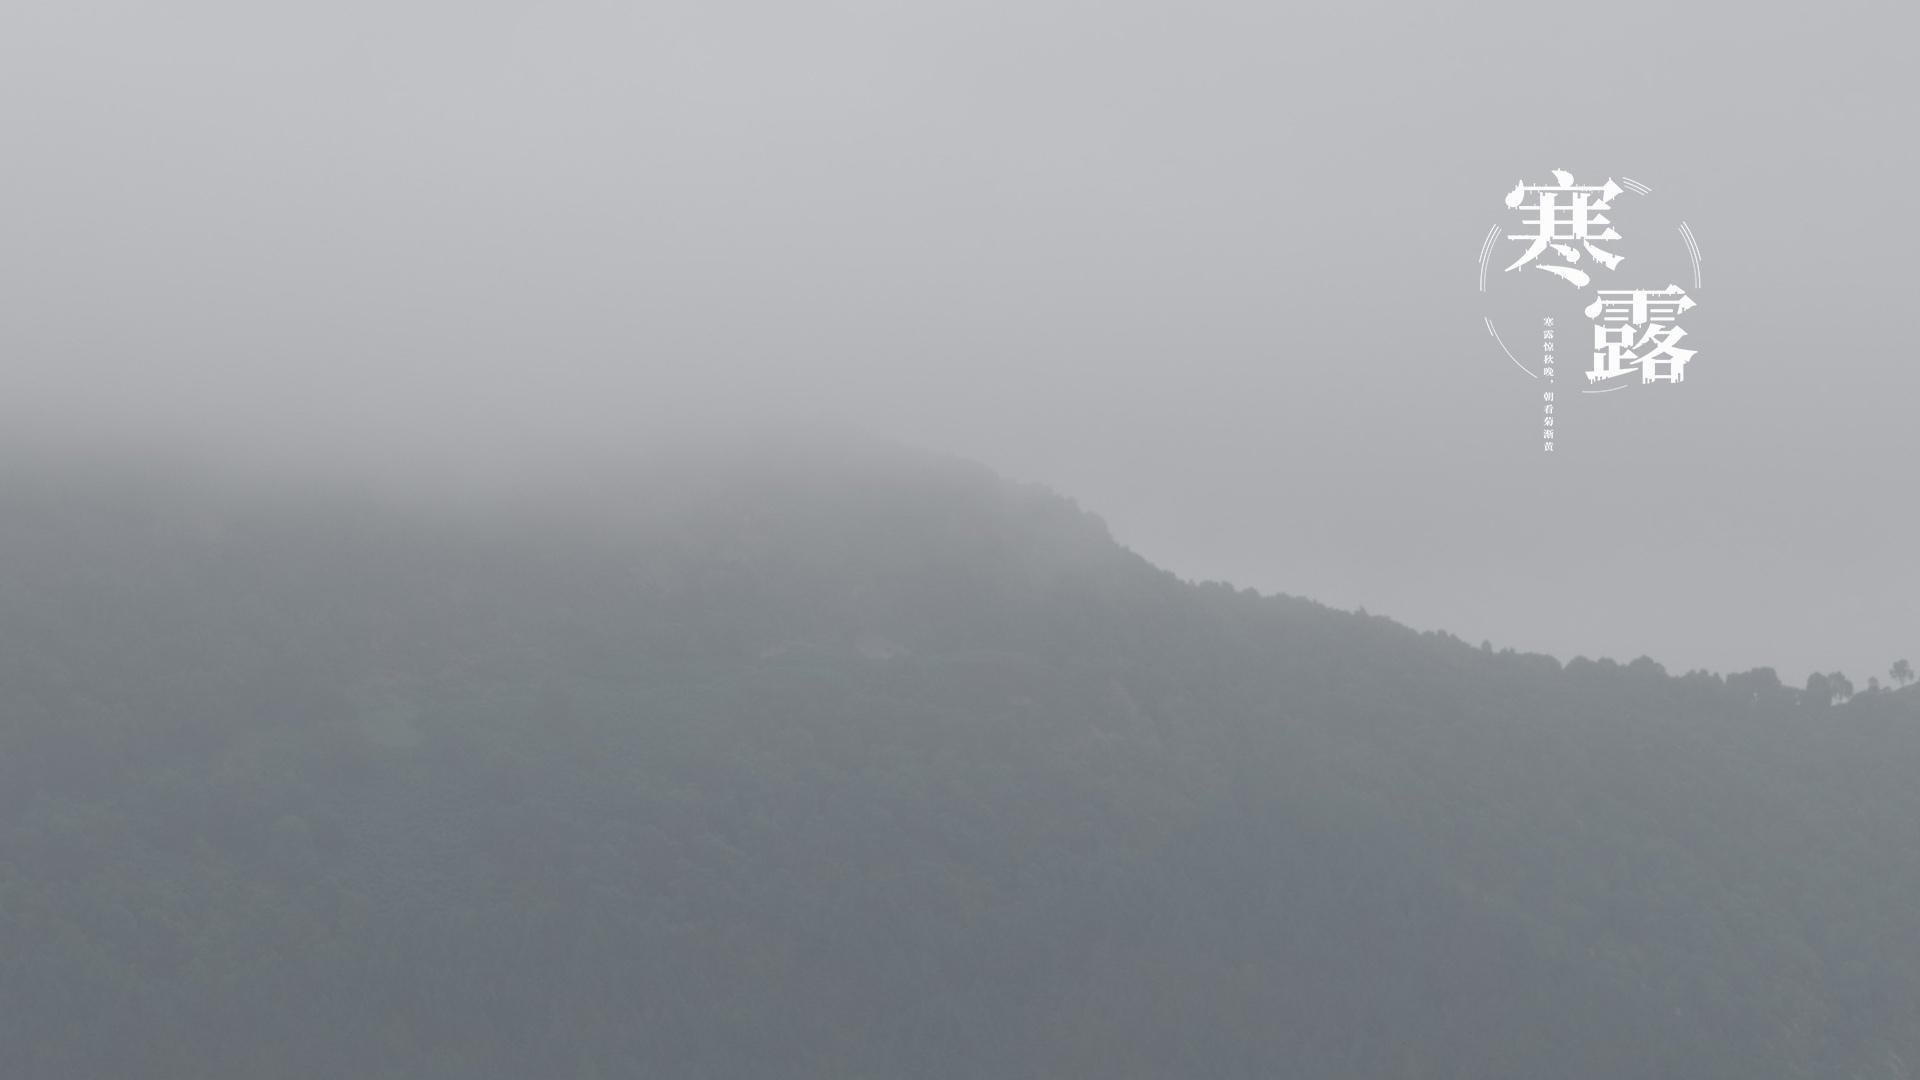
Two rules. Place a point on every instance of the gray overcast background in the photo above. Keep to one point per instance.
(1206, 267)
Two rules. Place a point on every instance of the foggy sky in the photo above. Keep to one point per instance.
(1208, 268)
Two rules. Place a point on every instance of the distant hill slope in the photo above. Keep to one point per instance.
(850, 762)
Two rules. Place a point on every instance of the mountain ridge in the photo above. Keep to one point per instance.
(854, 763)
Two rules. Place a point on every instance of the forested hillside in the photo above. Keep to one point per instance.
(856, 763)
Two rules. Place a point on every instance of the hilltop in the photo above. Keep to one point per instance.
(856, 762)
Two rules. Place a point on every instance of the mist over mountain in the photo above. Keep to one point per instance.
(827, 759)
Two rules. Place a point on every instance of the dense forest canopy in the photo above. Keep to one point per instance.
(858, 763)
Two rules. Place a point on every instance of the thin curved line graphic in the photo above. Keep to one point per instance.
(1486, 249)
(1503, 347)
(1608, 390)
(1693, 249)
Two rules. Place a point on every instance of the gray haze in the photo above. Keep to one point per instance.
(1206, 267)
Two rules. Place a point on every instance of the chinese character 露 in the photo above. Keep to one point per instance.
(1627, 321)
